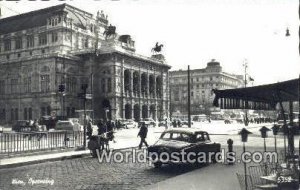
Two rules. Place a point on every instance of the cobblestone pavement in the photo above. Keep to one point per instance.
(87, 173)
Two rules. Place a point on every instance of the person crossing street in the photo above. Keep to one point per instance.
(143, 135)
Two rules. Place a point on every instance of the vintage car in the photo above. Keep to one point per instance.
(186, 122)
(181, 142)
(22, 126)
(148, 122)
(129, 123)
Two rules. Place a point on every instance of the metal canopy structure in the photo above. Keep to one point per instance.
(263, 97)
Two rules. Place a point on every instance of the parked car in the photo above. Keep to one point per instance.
(296, 129)
(1, 129)
(227, 121)
(67, 126)
(48, 121)
(163, 123)
(76, 122)
(177, 140)
(185, 122)
(148, 122)
(21, 126)
(129, 123)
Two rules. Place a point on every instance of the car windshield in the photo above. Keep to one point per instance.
(176, 136)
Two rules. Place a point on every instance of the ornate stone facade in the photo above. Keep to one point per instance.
(42, 49)
(202, 82)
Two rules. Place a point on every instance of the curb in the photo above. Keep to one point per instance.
(32, 162)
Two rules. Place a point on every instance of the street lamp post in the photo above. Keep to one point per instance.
(244, 135)
(264, 135)
(189, 98)
(106, 113)
(84, 88)
(245, 83)
(275, 130)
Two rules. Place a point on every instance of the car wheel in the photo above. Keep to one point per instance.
(157, 164)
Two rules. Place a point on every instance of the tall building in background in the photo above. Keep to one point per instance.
(63, 45)
(202, 82)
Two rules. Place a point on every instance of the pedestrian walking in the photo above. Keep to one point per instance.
(89, 129)
(110, 132)
(174, 123)
(179, 123)
(143, 135)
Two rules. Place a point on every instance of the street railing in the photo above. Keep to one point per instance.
(25, 142)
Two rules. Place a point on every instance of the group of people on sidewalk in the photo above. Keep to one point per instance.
(107, 129)
(104, 128)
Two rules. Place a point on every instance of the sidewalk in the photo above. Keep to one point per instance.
(212, 177)
(219, 176)
(126, 138)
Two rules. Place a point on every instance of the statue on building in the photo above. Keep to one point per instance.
(101, 15)
(157, 48)
(110, 31)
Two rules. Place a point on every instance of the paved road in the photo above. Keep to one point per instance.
(88, 173)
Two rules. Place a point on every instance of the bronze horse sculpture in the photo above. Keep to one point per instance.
(110, 31)
(157, 48)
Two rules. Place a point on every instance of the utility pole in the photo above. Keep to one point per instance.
(245, 82)
(189, 98)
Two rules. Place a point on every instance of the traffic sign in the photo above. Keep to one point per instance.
(88, 96)
(84, 96)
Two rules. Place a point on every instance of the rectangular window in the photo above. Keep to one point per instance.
(2, 86)
(14, 85)
(30, 41)
(12, 114)
(25, 113)
(86, 43)
(176, 95)
(71, 84)
(27, 84)
(29, 113)
(7, 45)
(43, 39)
(3, 114)
(109, 85)
(19, 43)
(43, 111)
(45, 83)
(54, 37)
(103, 85)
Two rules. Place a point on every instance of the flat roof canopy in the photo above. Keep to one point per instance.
(263, 97)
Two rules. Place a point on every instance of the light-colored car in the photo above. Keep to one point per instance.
(129, 123)
(1, 129)
(148, 122)
(76, 122)
(67, 126)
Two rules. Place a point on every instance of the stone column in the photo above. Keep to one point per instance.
(131, 83)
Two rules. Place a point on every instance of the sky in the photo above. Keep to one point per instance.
(195, 31)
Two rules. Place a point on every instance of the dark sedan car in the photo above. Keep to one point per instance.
(183, 145)
(22, 126)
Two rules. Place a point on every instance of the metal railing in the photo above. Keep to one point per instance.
(27, 142)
